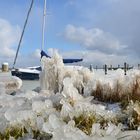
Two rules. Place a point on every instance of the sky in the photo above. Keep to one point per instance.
(99, 31)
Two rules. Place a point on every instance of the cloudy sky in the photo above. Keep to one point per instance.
(100, 31)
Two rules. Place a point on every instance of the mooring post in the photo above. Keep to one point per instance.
(110, 67)
(91, 69)
(139, 66)
(118, 66)
(96, 67)
(105, 67)
(125, 68)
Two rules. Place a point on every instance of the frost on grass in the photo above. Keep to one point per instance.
(118, 87)
(73, 104)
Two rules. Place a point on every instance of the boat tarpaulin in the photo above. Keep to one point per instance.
(64, 60)
(44, 54)
(71, 60)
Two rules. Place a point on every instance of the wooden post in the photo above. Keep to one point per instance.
(125, 68)
(139, 66)
(110, 67)
(105, 69)
(91, 69)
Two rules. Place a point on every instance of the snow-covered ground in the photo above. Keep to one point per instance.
(64, 106)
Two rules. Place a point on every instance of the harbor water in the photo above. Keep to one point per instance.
(30, 84)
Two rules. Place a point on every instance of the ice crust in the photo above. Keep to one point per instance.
(9, 84)
(65, 93)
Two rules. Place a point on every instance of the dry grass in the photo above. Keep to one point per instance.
(106, 94)
(84, 122)
(134, 118)
(135, 90)
(19, 132)
(124, 95)
(41, 135)
(119, 93)
(15, 132)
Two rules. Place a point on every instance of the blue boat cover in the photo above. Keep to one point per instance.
(64, 60)
(44, 54)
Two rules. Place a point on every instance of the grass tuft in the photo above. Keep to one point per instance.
(15, 132)
(84, 122)
(120, 93)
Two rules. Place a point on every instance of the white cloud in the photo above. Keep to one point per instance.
(30, 59)
(70, 2)
(9, 37)
(93, 39)
(89, 57)
(100, 58)
(36, 53)
(51, 51)
(101, 47)
(119, 17)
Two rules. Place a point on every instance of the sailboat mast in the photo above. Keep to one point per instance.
(28, 14)
(43, 26)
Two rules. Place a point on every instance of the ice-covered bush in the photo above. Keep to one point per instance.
(118, 89)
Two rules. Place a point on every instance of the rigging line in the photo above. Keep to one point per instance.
(23, 32)
(43, 26)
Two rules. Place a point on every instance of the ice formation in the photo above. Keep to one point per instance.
(65, 108)
(10, 84)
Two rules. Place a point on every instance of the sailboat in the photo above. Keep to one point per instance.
(32, 73)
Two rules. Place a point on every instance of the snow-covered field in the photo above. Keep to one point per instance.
(74, 104)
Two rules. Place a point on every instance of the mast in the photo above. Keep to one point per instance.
(23, 32)
(43, 26)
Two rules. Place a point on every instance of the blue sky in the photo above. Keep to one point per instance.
(59, 15)
(101, 31)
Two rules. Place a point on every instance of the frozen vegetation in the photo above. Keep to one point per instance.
(73, 104)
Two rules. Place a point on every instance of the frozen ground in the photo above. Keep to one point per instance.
(64, 107)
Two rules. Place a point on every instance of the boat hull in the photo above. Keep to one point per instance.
(25, 75)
